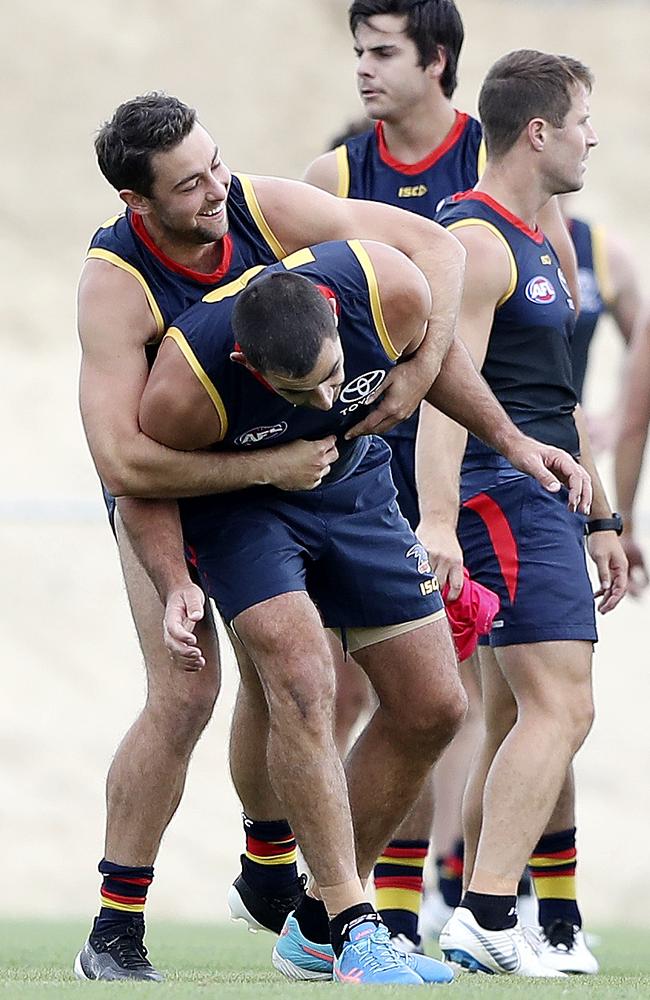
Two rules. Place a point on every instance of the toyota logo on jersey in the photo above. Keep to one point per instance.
(362, 386)
(540, 290)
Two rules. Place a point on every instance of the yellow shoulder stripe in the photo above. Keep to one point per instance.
(298, 258)
(514, 274)
(233, 287)
(343, 169)
(482, 158)
(111, 222)
(361, 254)
(179, 338)
(255, 210)
(97, 253)
(601, 265)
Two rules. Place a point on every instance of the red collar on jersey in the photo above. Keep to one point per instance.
(534, 234)
(450, 139)
(139, 228)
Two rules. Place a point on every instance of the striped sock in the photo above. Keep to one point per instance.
(269, 864)
(123, 892)
(553, 867)
(398, 886)
(450, 874)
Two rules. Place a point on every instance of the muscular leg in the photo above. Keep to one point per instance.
(451, 772)
(354, 697)
(249, 735)
(304, 766)
(500, 715)
(421, 705)
(564, 815)
(551, 683)
(146, 779)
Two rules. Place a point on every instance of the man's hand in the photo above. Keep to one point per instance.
(302, 465)
(402, 392)
(552, 467)
(607, 552)
(637, 571)
(184, 608)
(445, 555)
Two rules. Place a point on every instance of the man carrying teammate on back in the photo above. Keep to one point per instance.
(189, 227)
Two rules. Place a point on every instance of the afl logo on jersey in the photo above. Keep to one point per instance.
(540, 290)
(361, 387)
(257, 434)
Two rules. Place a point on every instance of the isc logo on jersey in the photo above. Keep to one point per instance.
(257, 434)
(361, 390)
(541, 291)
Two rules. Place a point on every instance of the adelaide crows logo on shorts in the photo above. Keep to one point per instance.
(540, 290)
(422, 556)
(257, 434)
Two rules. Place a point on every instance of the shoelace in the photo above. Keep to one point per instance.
(530, 938)
(130, 948)
(379, 940)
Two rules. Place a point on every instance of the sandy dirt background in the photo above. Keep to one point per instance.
(272, 79)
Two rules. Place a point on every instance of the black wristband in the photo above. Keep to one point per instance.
(613, 523)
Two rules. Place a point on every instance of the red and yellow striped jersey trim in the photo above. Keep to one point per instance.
(601, 265)
(514, 274)
(260, 221)
(343, 172)
(97, 253)
(179, 338)
(361, 254)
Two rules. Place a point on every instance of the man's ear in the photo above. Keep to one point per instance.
(537, 133)
(333, 306)
(240, 359)
(437, 66)
(136, 202)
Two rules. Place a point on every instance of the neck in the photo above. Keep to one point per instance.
(517, 187)
(201, 257)
(420, 130)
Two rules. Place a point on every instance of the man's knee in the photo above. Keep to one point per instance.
(437, 719)
(183, 711)
(300, 693)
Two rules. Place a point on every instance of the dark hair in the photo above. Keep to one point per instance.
(523, 85)
(429, 23)
(151, 123)
(281, 321)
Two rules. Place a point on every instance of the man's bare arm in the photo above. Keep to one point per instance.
(115, 324)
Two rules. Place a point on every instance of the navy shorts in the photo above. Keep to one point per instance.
(402, 465)
(525, 544)
(345, 543)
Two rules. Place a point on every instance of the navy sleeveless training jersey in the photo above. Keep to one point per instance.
(528, 360)
(595, 293)
(171, 288)
(253, 415)
(367, 170)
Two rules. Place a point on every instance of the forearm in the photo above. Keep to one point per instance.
(632, 436)
(443, 268)
(438, 455)
(462, 394)
(600, 506)
(154, 530)
(140, 467)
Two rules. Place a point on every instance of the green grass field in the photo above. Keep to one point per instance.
(218, 961)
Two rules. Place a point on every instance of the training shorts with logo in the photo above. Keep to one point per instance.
(525, 544)
(345, 543)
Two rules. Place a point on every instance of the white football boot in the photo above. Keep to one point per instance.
(563, 947)
(469, 947)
